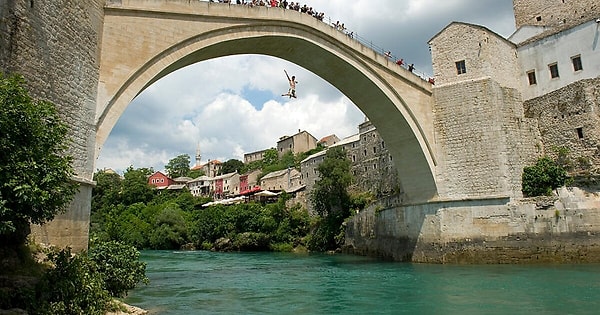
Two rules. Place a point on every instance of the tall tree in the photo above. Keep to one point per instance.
(135, 186)
(270, 157)
(178, 166)
(107, 191)
(330, 198)
(35, 171)
(231, 166)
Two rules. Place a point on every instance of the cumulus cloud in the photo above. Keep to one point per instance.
(233, 105)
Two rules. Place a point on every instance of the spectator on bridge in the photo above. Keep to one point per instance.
(388, 54)
(400, 62)
(411, 67)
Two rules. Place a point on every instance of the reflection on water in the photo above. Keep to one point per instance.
(281, 283)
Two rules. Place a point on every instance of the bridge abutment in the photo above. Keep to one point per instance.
(54, 44)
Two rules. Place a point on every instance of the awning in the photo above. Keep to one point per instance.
(251, 190)
(266, 193)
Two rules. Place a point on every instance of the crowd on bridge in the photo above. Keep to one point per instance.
(296, 6)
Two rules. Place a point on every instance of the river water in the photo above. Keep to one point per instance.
(201, 282)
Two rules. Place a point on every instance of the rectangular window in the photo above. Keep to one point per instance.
(580, 132)
(531, 77)
(577, 66)
(553, 70)
(461, 67)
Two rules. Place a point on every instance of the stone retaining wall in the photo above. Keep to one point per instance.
(565, 228)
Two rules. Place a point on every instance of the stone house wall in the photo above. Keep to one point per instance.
(568, 118)
(554, 12)
(280, 180)
(570, 51)
(372, 165)
(300, 142)
(483, 138)
(485, 54)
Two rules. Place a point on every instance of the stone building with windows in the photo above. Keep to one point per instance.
(536, 91)
(282, 180)
(200, 186)
(371, 165)
(300, 142)
(254, 156)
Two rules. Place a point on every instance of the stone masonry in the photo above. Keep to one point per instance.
(568, 118)
(54, 44)
(485, 139)
(554, 12)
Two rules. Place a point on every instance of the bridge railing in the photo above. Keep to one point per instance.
(368, 43)
(354, 35)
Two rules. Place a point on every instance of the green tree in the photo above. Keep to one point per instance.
(170, 228)
(231, 166)
(178, 166)
(119, 266)
(330, 199)
(270, 157)
(135, 186)
(72, 286)
(35, 171)
(107, 191)
(543, 177)
(196, 173)
(287, 160)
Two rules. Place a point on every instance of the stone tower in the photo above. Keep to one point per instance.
(198, 155)
(554, 12)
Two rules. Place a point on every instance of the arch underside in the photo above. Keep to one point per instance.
(376, 98)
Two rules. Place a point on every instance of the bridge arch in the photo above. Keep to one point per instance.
(397, 102)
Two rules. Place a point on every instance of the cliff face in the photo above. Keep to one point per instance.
(560, 229)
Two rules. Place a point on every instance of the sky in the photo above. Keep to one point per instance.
(233, 105)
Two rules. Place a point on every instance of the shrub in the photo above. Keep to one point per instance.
(119, 266)
(71, 286)
(251, 241)
(540, 179)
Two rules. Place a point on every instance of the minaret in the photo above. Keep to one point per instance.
(198, 156)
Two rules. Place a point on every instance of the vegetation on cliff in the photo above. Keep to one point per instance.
(35, 185)
(35, 173)
(547, 174)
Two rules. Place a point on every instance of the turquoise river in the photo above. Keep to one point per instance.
(201, 282)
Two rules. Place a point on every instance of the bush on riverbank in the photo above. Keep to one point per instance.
(66, 283)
